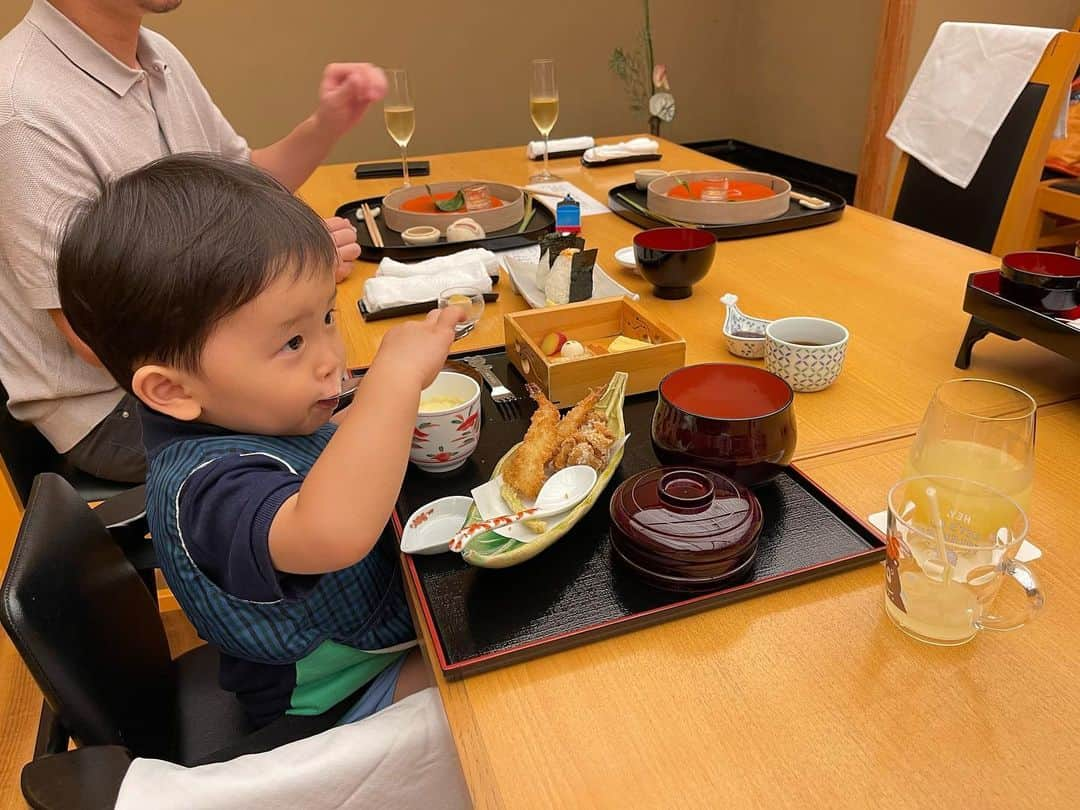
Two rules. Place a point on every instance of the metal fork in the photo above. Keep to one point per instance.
(505, 400)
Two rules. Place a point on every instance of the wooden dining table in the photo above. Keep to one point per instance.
(806, 696)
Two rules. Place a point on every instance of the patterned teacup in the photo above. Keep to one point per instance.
(807, 352)
(448, 423)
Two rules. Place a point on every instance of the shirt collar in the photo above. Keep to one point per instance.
(88, 55)
(160, 430)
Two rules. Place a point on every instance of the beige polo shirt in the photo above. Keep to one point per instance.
(72, 116)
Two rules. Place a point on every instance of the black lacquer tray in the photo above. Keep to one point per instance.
(992, 313)
(795, 218)
(394, 246)
(575, 592)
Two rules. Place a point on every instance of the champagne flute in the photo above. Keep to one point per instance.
(400, 114)
(544, 107)
(979, 430)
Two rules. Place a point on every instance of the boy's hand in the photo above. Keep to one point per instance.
(346, 91)
(348, 250)
(421, 346)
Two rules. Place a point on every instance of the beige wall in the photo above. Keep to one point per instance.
(789, 76)
(468, 62)
(803, 73)
(804, 70)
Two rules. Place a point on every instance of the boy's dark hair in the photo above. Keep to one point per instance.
(148, 268)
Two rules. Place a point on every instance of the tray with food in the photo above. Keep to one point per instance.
(436, 219)
(652, 543)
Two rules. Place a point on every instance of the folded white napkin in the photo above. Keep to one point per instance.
(631, 148)
(966, 85)
(383, 292)
(390, 267)
(535, 149)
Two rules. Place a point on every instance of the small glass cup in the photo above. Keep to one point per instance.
(477, 197)
(470, 300)
(714, 189)
(950, 543)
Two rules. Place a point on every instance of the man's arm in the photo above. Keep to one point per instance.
(345, 93)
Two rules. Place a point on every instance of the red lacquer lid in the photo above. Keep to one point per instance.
(685, 526)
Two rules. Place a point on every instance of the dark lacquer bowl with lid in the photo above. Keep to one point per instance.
(684, 528)
(737, 420)
(1043, 281)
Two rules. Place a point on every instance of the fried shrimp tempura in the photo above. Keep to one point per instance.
(525, 471)
(577, 416)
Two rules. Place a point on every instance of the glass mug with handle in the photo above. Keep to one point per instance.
(981, 430)
(950, 544)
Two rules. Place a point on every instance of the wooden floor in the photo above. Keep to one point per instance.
(20, 705)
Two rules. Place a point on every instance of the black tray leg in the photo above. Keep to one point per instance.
(977, 329)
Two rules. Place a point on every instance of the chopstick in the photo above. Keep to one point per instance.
(538, 192)
(642, 210)
(372, 227)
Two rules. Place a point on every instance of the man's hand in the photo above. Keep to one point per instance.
(346, 91)
(344, 235)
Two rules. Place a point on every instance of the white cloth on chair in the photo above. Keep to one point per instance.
(967, 84)
(402, 757)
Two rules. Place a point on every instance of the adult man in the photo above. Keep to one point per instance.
(87, 94)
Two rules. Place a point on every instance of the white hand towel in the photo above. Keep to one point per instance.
(383, 292)
(535, 149)
(402, 757)
(390, 267)
(632, 148)
(966, 85)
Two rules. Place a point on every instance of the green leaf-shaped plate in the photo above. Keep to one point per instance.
(492, 550)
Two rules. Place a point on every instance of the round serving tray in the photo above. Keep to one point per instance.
(490, 219)
(731, 212)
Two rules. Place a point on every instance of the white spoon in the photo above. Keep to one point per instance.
(561, 493)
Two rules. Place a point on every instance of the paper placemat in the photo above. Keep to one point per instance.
(1027, 553)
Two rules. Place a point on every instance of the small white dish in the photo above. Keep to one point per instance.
(745, 336)
(523, 278)
(642, 177)
(420, 235)
(429, 529)
(625, 257)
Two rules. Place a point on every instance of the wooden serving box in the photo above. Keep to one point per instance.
(567, 381)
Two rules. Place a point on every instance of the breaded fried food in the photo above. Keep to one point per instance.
(589, 444)
(525, 471)
(577, 415)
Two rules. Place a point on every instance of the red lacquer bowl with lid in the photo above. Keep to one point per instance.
(685, 528)
(735, 419)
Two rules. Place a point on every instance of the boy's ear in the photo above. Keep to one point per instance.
(163, 389)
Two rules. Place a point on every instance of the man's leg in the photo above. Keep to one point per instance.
(114, 449)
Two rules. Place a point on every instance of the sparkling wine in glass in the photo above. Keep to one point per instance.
(400, 114)
(544, 107)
